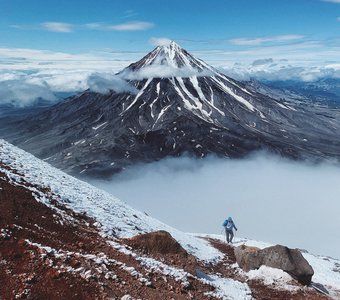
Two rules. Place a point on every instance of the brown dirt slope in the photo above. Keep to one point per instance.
(51, 252)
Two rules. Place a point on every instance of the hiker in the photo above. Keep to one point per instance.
(229, 225)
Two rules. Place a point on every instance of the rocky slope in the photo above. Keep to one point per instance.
(64, 239)
(175, 104)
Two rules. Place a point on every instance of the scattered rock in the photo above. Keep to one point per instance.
(280, 257)
(320, 288)
(53, 273)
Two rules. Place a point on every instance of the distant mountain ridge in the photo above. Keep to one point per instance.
(325, 91)
(181, 106)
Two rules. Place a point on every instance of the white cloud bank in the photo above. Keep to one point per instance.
(162, 71)
(22, 94)
(270, 69)
(65, 72)
(23, 89)
(104, 83)
(270, 199)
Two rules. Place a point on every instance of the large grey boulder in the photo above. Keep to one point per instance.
(280, 257)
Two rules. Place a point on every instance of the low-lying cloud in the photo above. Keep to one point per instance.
(163, 71)
(271, 199)
(49, 73)
(23, 89)
(23, 94)
(269, 69)
(104, 83)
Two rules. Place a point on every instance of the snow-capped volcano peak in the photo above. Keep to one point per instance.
(170, 55)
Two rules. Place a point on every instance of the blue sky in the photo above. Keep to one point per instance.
(194, 24)
(55, 46)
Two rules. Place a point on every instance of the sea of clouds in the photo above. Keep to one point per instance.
(27, 75)
(271, 199)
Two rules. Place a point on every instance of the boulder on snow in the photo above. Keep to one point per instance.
(280, 257)
(248, 258)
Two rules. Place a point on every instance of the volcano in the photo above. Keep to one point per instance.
(176, 104)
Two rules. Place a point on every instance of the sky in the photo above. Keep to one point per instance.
(84, 26)
(57, 45)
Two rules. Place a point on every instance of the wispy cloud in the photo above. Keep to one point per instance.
(128, 26)
(129, 14)
(57, 26)
(331, 1)
(131, 26)
(253, 41)
(161, 41)
(68, 27)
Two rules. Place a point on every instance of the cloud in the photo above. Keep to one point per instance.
(270, 199)
(162, 71)
(263, 40)
(331, 1)
(104, 83)
(22, 94)
(22, 89)
(18, 59)
(68, 27)
(162, 41)
(129, 14)
(65, 72)
(57, 26)
(338, 19)
(272, 70)
(131, 26)
(263, 61)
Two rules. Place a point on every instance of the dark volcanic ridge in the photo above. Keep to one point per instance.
(181, 106)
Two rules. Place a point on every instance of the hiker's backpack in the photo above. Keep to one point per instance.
(225, 223)
(229, 225)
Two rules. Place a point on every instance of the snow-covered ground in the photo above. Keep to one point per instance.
(326, 269)
(114, 216)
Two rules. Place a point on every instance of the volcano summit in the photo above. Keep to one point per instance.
(174, 104)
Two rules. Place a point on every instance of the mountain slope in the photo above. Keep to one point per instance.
(182, 105)
(62, 238)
